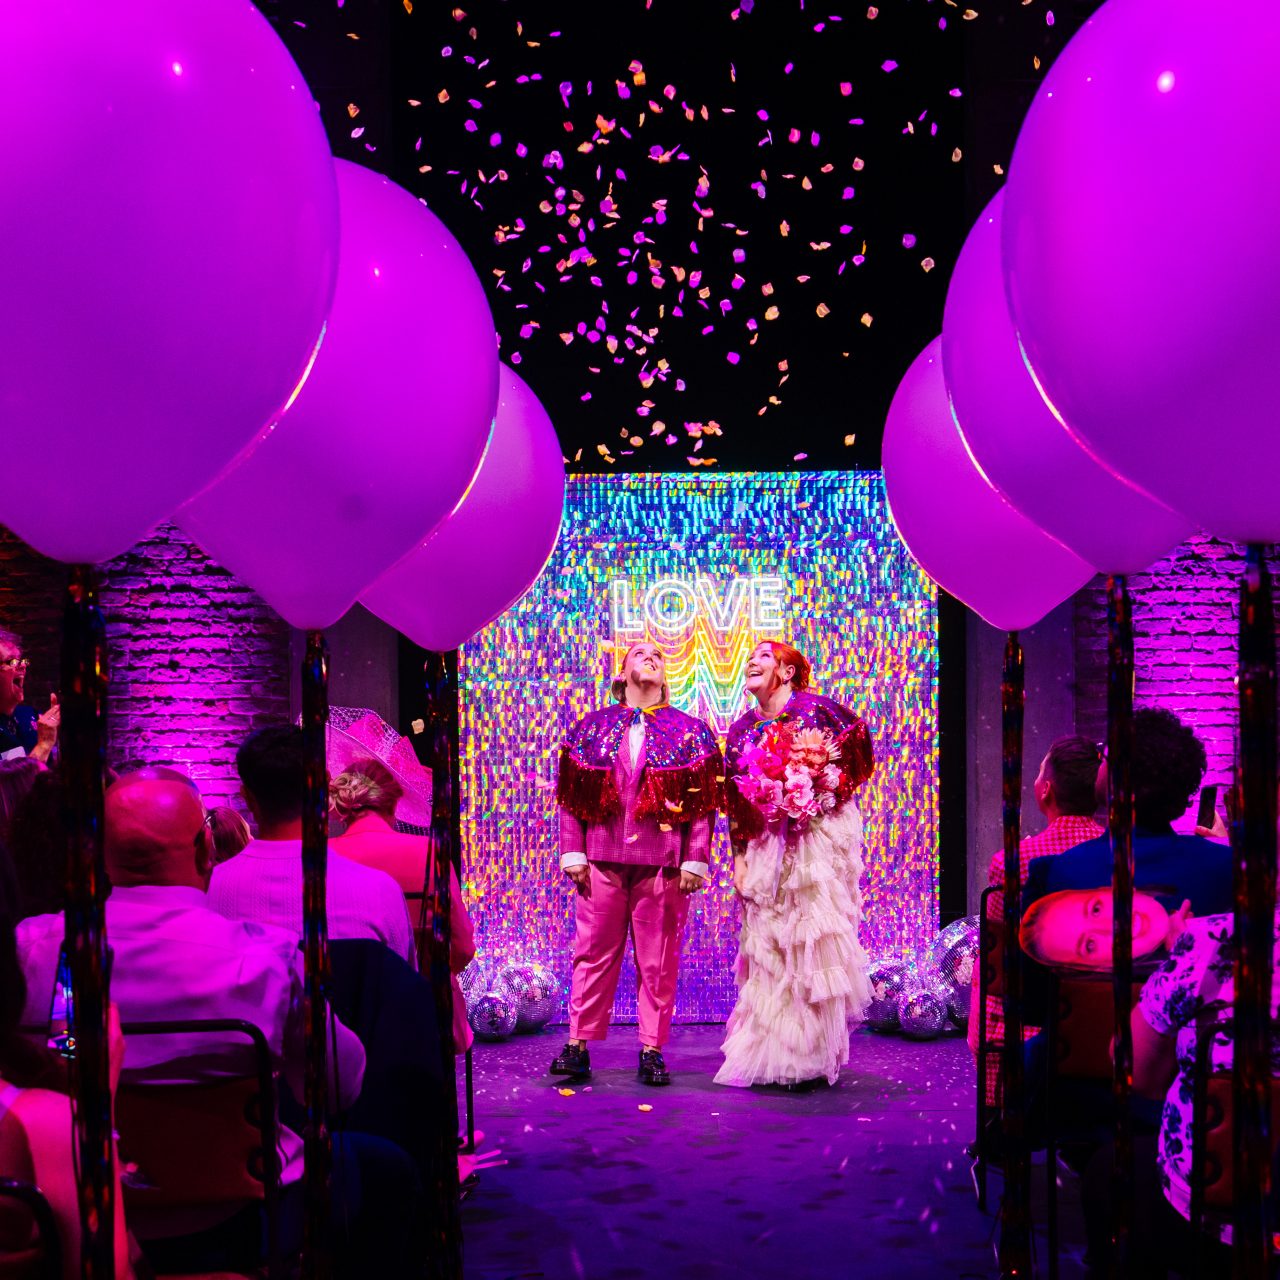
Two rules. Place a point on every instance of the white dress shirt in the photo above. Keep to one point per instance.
(263, 882)
(635, 740)
(175, 958)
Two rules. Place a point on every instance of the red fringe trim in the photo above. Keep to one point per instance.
(684, 793)
(746, 822)
(590, 794)
(857, 763)
(857, 759)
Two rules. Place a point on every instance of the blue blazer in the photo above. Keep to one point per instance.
(1169, 867)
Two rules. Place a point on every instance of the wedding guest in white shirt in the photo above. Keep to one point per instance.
(264, 881)
(174, 958)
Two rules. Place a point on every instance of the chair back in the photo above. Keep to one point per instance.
(191, 1144)
(991, 939)
(1212, 1125)
(201, 1144)
(21, 1258)
(1084, 1027)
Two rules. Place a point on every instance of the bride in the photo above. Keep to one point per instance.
(794, 761)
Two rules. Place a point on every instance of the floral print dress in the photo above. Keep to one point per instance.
(1196, 979)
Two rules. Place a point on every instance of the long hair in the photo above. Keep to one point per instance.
(16, 780)
(37, 847)
(788, 655)
(22, 1063)
(229, 832)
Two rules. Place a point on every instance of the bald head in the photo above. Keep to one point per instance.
(154, 819)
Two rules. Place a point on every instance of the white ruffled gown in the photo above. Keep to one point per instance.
(801, 971)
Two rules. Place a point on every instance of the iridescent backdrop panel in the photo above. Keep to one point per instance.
(706, 565)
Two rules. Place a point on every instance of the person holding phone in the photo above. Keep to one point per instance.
(1167, 768)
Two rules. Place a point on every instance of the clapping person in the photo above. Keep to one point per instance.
(23, 730)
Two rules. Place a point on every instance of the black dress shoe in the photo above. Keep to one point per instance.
(652, 1068)
(574, 1061)
(805, 1086)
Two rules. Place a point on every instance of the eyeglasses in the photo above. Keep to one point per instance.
(15, 664)
(205, 832)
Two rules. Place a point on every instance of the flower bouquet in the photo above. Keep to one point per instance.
(790, 775)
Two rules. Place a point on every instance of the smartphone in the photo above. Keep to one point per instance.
(1208, 803)
(62, 1038)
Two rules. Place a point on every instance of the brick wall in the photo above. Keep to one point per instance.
(197, 660)
(1185, 620)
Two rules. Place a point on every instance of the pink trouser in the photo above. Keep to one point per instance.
(647, 902)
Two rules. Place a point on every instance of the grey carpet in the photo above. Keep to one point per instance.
(868, 1179)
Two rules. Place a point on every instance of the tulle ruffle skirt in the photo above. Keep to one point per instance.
(801, 972)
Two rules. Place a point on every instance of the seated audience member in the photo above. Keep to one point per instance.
(36, 1131)
(38, 846)
(1197, 979)
(1167, 767)
(229, 832)
(1072, 929)
(1066, 793)
(16, 779)
(175, 958)
(264, 881)
(364, 798)
(23, 731)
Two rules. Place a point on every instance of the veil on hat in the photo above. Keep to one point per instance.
(356, 733)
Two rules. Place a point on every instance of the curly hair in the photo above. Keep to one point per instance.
(1168, 765)
(365, 786)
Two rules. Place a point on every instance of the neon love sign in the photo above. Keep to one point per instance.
(672, 606)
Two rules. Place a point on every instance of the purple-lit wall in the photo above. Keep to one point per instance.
(197, 660)
(1185, 618)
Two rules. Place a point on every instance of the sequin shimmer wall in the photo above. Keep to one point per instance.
(706, 565)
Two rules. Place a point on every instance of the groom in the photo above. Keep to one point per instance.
(640, 783)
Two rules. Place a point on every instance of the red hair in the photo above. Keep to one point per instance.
(789, 656)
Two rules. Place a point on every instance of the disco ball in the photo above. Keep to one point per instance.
(887, 978)
(535, 991)
(922, 1012)
(493, 1015)
(474, 981)
(958, 1004)
(952, 955)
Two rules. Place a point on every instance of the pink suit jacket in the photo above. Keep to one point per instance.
(637, 841)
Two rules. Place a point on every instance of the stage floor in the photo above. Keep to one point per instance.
(866, 1180)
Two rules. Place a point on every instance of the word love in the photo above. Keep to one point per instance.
(671, 606)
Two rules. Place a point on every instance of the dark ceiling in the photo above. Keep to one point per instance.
(754, 210)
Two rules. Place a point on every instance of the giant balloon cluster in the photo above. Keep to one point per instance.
(266, 330)
(923, 997)
(1109, 364)
(513, 997)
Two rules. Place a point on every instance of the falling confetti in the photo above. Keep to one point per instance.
(648, 224)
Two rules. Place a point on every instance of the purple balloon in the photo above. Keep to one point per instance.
(1141, 256)
(1014, 437)
(169, 223)
(495, 546)
(962, 533)
(387, 434)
